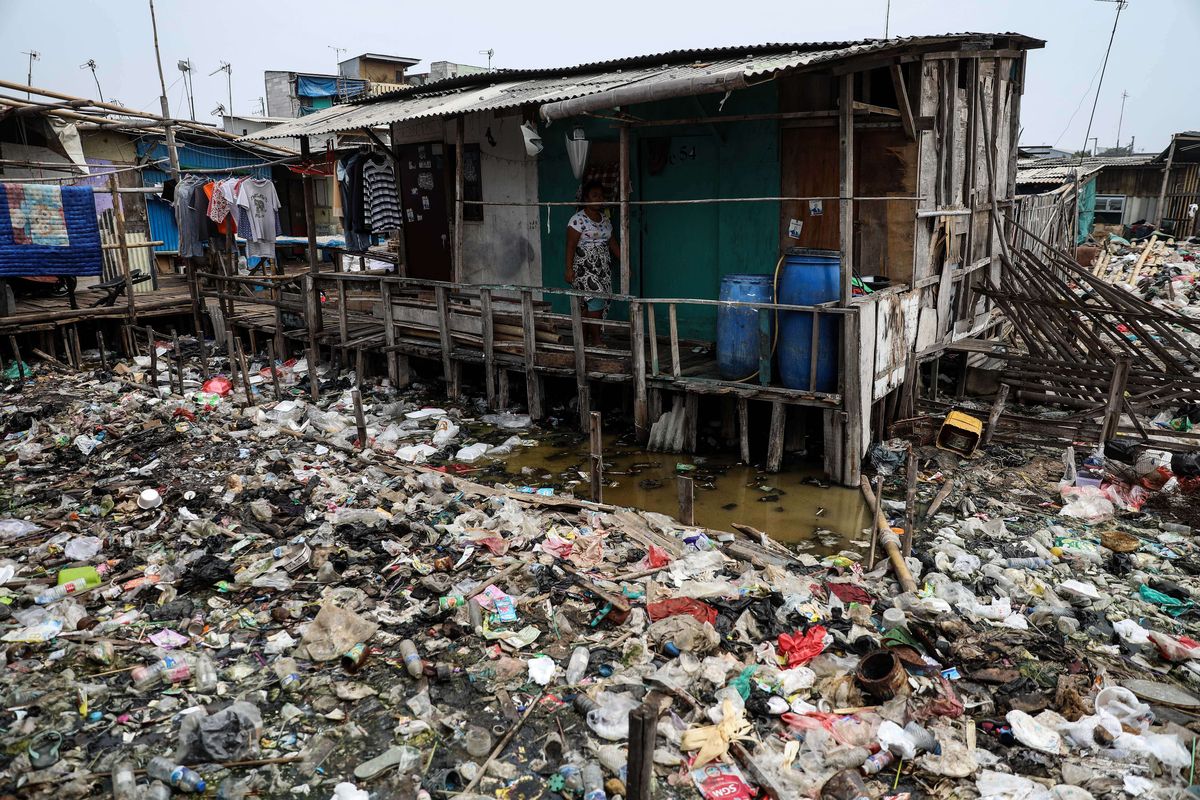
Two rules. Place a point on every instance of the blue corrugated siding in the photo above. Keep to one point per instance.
(159, 213)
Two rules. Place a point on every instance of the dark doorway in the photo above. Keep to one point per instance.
(423, 198)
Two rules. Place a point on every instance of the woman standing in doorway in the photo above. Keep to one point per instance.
(590, 253)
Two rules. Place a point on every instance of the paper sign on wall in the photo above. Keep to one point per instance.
(794, 228)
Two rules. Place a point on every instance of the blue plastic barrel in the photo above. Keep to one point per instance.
(808, 277)
(737, 328)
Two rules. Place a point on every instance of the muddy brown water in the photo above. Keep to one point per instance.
(795, 506)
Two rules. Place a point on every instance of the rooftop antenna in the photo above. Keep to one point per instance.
(262, 108)
(1121, 118)
(91, 64)
(887, 18)
(337, 55)
(228, 70)
(489, 53)
(1121, 4)
(219, 111)
(34, 55)
(185, 66)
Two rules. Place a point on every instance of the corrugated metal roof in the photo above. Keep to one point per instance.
(513, 88)
(1062, 170)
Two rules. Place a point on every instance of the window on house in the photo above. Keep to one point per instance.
(472, 183)
(1110, 209)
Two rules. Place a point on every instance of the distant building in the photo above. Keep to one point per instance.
(1042, 151)
(296, 94)
(442, 70)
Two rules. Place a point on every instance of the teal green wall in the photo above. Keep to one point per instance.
(1086, 211)
(685, 249)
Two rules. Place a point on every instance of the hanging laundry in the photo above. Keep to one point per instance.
(257, 197)
(380, 194)
(191, 215)
(349, 178)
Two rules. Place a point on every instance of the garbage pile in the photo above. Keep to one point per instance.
(200, 595)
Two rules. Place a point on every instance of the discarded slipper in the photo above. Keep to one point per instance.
(381, 763)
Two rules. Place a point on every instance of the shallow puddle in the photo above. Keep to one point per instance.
(795, 506)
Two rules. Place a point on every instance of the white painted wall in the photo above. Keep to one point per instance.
(506, 247)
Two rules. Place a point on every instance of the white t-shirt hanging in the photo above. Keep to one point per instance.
(258, 197)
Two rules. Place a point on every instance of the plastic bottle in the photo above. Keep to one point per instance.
(578, 665)
(56, 593)
(412, 659)
(123, 783)
(878, 762)
(168, 669)
(204, 675)
(288, 673)
(177, 776)
(1029, 563)
(593, 782)
(451, 601)
(572, 777)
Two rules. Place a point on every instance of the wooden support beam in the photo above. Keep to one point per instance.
(178, 363)
(638, 357)
(389, 331)
(685, 489)
(902, 101)
(489, 346)
(775, 437)
(691, 421)
(652, 323)
(459, 272)
(154, 358)
(360, 421)
(643, 730)
(673, 324)
(596, 462)
(580, 346)
(274, 369)
(743, 415)
(910, 501)
(12, 342)
(449, 367)
(623, 196)
(1116, 398)
(241, 356)
(100, 347)
(315, 323)
(311, 320)
(533, 381)
(123, 246)
(846, 182)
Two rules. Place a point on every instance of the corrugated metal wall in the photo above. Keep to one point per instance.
(159, 213)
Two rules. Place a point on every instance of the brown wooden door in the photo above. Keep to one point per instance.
(423, 199)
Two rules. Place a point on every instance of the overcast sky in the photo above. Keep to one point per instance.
(1152, 57)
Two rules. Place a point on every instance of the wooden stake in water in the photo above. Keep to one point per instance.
(686, 500)
(359, 420)
(597, 458)
(153, 358)
(100, 347)
(274, 369)
(178, 362)
(241, 354)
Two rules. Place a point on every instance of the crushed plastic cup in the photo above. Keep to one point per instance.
(149, 499)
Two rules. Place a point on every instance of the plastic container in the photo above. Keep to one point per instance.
(412, 659)
(593, 782)
(808, 277)
(878, 762)
(478, 742)
(123, 783)
(577, 665)
(288, 673)
(894, 618)
(157, 791)
(738, 329)
(177, 776)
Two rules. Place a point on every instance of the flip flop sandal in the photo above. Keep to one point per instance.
(380, 763)
(43, 750)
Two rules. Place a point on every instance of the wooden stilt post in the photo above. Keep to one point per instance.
(311, 319)
(68, 350)
(241, 354)
(775, 438)
(623, 197)
(12, 342)
(359, 368)
(580, 347)
(123, 246)
(389, 332)
(743, 415)
(852, 403)
(75, 343)
(502, 388)
(315, 323)
(533, 382)
(100, 347)
(489, 346)
(685, 488)
(1116, 398)
(449, 371)
(910, 501)
(643, 730)
(274, 368)
(877, 500)
(691, 421)
(178, 362)
(638, 357)
(359, 420)
(459, 272)
(153, 357)
(596, 464)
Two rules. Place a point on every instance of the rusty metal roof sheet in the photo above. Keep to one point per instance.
(506, 89)
(1063, 170)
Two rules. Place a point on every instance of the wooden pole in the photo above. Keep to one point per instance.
(875, 529)
(274, 368)
(846, 204)
(776, 437)
(312, 318)
(580, 347)
(1162, 191)
(638, 357)
(241, 354)
(643, 731)
(743, 414)
(685, 488)
(123, 246)
(153, 358)
(178, 362)
(1116, 397)
(533, 383)
(100, 347)
(359, 420)
(389, 332)
(449, 368)
(910, 500)
(12, 342)
(623, 194)
(596, 471)
(459, 195)
(315, 323)
(489, 346)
